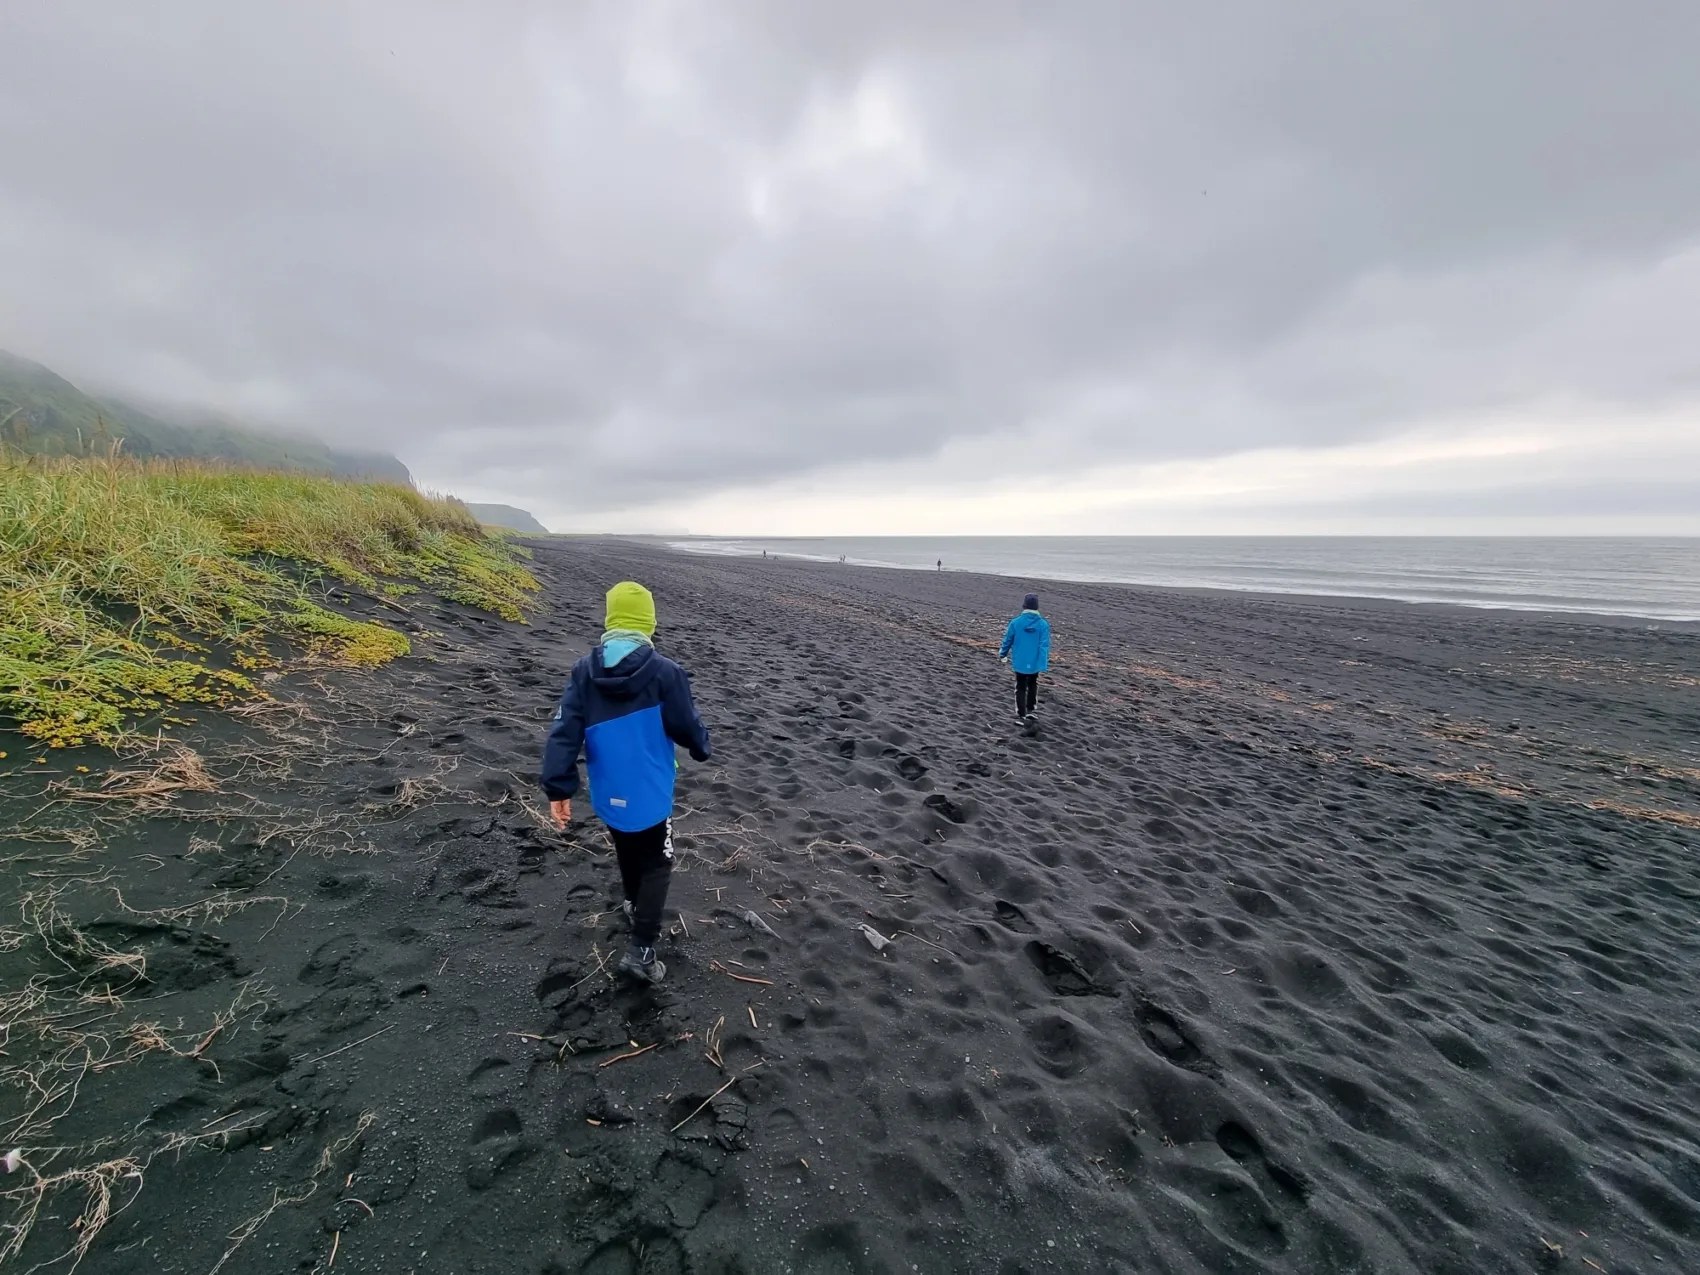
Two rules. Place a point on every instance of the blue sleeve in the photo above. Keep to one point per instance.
(679, 716)
(1045, 645)
(561, 749)
(1008, 639)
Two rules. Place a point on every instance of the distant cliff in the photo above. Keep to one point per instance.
(506, 516)
(43, 413)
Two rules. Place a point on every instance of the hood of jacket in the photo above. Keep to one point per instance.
(626, 678)
(1027, 621)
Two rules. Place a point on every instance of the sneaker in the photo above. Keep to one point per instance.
(640, 963)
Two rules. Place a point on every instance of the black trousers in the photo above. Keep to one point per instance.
(1026, 693)
(646, 870)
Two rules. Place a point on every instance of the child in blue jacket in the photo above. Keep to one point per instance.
(626, 707)
(1027, 647)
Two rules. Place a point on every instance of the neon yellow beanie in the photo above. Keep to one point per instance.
(631, 606)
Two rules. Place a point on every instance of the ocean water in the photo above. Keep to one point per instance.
(1655, 578)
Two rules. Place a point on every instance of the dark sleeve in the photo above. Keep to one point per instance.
(679, 716)
(561, 749)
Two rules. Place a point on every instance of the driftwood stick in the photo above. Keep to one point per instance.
(631, 1054)
(711, 1097)
(321, 1058)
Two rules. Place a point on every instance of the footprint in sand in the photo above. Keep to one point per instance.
(498, 1143)
(1242, 1145)
(1011, 917)
(1166, 1038)
(1065, 975)
(490, 1077)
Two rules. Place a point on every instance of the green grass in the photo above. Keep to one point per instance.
(119, 579)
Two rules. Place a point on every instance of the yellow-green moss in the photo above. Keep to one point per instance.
(112, 571)
(353, 641)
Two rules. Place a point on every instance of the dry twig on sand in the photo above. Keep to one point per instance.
(711, 1097)
(111, 1176)
(100, 1183)
(718, 968)
(735, 860)
(911, 934)
(179, 770)
(220, 907)
(601, 968)
(82, 838)
(149, 1037)
(300, 1193)
(632, 1053)
(82, 955)
(354, 1043)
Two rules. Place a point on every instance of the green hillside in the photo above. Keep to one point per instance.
(41, 413)
(508, 517)
(131, 586)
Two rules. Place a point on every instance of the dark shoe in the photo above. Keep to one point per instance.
(641, 964)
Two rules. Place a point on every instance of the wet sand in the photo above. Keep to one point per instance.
(1305, 935)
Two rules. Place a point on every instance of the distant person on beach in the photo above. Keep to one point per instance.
(626, 707)
(1027, 648)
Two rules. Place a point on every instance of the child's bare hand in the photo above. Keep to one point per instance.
(563, 811)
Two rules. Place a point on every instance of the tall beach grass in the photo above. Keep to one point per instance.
(129, 586)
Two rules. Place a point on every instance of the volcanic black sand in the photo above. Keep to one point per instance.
(1304, 936)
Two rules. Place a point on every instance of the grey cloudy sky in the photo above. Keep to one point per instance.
(893, 266)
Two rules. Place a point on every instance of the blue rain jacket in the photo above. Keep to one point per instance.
(1027, 642)
(626, 721)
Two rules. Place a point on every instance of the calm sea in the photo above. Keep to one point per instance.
(1605, 575)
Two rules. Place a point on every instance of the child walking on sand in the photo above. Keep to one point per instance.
(626, 707)
(1027, 647)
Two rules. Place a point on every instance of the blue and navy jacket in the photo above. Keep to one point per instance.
(1027, 642)
(626, 720)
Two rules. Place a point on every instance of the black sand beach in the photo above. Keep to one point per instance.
(1306, 936)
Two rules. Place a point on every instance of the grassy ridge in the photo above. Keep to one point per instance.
(116, 574)
(44, 414)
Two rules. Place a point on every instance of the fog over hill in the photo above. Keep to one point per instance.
(44, 414)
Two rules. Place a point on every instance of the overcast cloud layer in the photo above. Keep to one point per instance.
(772, 267)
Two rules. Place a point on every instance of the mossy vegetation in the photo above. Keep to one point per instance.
(129, 586)
(354, 641)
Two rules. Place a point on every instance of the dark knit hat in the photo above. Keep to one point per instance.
(1030, 602)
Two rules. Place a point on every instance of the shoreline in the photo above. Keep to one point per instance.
(669, 544)
(1302, 938)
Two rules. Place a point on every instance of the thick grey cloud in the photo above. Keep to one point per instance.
(603, 255)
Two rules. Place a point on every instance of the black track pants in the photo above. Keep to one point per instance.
(646, 869)
(1026, 693)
